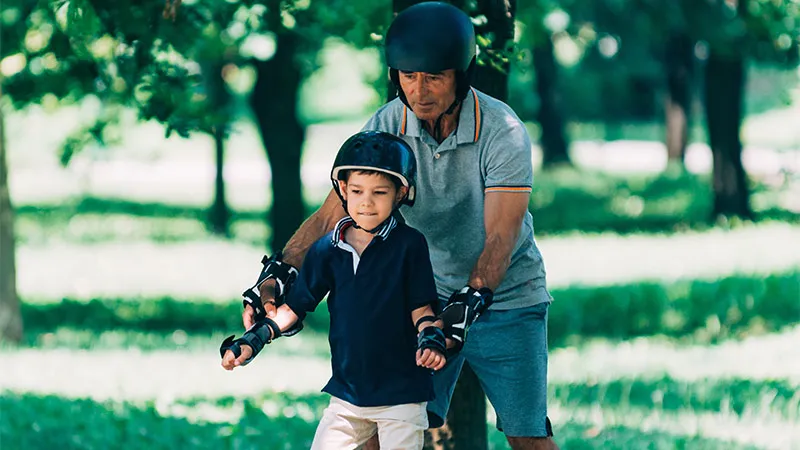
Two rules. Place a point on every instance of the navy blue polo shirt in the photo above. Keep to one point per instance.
(370, 299)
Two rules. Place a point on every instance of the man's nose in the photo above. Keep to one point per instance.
(422, 86)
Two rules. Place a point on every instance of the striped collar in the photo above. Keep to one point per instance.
(347, 221)
(469, 121)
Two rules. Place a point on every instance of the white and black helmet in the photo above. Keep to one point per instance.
(381, 152)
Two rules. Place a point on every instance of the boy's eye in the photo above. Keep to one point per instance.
(355, 191)
(380, 192)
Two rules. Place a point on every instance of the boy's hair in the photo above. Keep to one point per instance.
(345, 176)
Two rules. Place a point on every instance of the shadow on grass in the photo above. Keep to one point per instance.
(563, 200)
(94, 205)
(737, 396)
(735, 306)
(160, 315)
(46, 422)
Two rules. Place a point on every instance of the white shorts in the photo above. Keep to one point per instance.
(347, 426)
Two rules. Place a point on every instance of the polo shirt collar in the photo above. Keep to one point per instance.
(347, 221)
(469, 121)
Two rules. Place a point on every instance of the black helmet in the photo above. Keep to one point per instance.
(431, 37)
(379, 151)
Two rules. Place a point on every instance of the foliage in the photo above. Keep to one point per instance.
(613, 51)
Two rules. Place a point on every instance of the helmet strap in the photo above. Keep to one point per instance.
(380, 225)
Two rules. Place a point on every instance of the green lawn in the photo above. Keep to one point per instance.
(668, 331)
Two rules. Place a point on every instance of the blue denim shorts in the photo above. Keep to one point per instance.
(507, 349)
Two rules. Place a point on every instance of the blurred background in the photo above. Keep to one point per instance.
(153, 151)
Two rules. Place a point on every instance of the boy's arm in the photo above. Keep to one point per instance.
(431, 343)
(425, 312)
(294, 253)
(284, 319)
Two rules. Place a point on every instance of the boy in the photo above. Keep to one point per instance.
(377, 273)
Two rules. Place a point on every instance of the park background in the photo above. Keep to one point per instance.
(153, 151)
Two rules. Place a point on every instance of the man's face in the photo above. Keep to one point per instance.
(429, 94)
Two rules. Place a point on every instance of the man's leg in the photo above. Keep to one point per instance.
(509, 356)
(529, 443)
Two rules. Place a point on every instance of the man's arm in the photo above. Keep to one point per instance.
(321, 222)
(503, 215)
(294, 253)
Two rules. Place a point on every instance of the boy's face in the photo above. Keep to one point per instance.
(370, 198)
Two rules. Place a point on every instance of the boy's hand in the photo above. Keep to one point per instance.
(430, 359)
(229, 361)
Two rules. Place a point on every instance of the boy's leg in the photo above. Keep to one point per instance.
(401, 427)
(508, 353)
(342, 427)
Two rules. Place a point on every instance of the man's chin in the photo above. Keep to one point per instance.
(423, 114)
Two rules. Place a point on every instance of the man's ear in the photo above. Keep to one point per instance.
(401, 193)
(342, 188)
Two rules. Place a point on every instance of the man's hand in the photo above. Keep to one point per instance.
(230, 361)
(267, 292)
(430, 359)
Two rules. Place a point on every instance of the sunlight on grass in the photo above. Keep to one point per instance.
(771, 356)
(221, 269)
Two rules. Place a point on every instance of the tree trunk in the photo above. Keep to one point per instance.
(492, 78)
(274, 103)
(724, 92)
(220, 214)
(680, 63)
(220, 100)
(550, 114)
(10, 316)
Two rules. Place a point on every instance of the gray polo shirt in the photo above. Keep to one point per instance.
(490, 151)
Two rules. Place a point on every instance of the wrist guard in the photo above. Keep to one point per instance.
(273, 268)
(433, 338)
(462, 310)
(262, 333)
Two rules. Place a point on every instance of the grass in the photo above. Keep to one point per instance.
(564, 200)
(277, 420)
(705, 310)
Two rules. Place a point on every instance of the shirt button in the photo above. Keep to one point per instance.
(437, 156)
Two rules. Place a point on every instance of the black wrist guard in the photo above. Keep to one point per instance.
(273, 268)
(262, 333)
(424, 319)
(433, 338)
(462, 310)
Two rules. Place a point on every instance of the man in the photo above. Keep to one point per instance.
(474, 182)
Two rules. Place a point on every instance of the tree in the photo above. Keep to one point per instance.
(10, 316)
(274, 103)
(679, 61)
(550, 115)
(740, 31)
